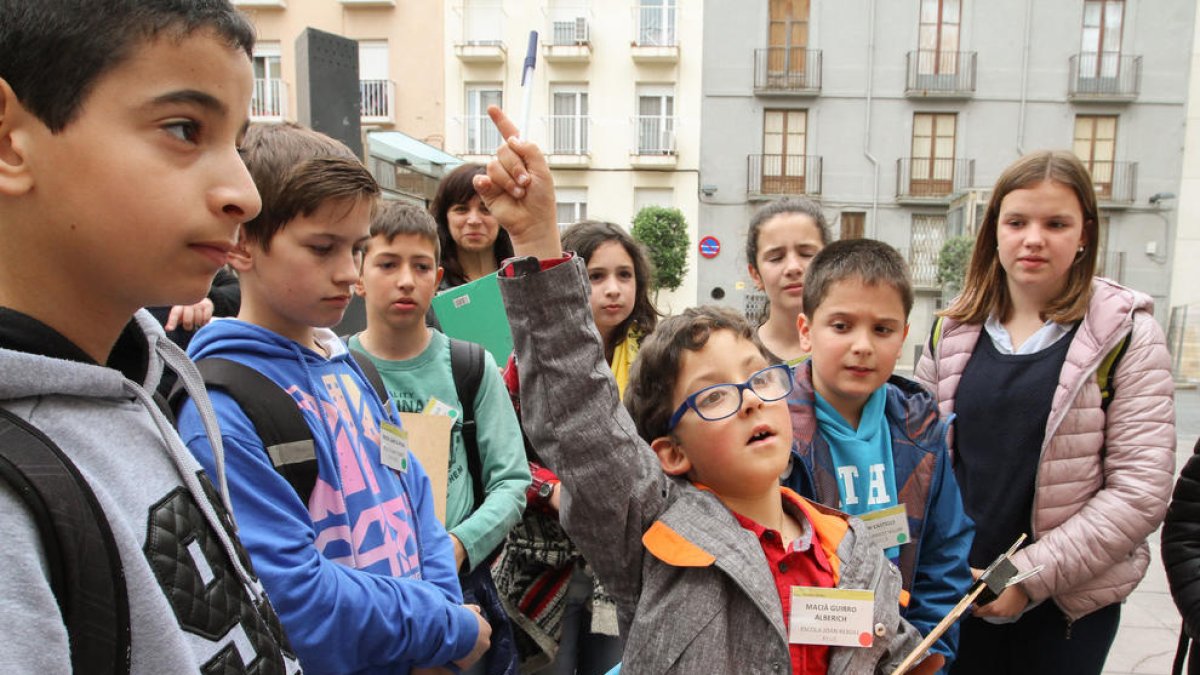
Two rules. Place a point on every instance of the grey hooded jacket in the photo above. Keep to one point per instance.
(194, 606)
(713, 610)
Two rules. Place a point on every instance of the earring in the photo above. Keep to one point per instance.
(1080, 249)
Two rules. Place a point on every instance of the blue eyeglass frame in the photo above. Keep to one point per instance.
(690, 401)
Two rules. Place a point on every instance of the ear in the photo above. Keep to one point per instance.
(241, 258)
(440, 273)
(670, 456)
(906, 327)
(804, 326)
(359, 288)
(755, 276)
(15, 175)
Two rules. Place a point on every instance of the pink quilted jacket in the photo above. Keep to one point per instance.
(1103, 481)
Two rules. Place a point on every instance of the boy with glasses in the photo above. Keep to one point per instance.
(712, 564)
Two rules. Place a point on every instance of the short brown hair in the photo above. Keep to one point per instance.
(648, 396)
(393, 219)
(985, 290)
(296, 171)
(868, 260)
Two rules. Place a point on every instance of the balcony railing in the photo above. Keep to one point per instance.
(269, 100)
(655, 135)
(782, 70)
(783, 174)
(378, 100)
(655, 25)
(1115, 182)
(1104, 77)
(922, 178)
(482, 136)
(569, 134)
(940, 74)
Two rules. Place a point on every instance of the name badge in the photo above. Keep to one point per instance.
(438, 407)
(393, 449)
(837, 617)
(887, 527)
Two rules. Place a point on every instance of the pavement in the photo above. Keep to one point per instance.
(1150, 622)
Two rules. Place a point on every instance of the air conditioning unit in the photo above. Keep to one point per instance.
(571, 32)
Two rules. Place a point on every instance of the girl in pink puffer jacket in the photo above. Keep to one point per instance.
(1036, 447)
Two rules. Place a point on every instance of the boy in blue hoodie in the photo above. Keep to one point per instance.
(871, 443)
(363, 575)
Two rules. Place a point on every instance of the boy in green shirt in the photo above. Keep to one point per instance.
(400, 275)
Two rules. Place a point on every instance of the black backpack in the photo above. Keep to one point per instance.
(84, 564)
(286, 436)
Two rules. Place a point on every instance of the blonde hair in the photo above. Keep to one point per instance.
(985, 290)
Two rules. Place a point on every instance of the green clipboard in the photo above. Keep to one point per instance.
(475, 312)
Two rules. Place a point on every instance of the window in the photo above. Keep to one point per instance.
(571, 205)
(482, 136)
(656, 23)
(784, 142)
(375, 87)
(853, 225)
(269, 94)
(482, 22)
(1096, 146)
(937, 37)
(932, 170)
(928, 235)
(568, 22)
(1101, 39)
(787, 39)
(569, 120)
(656, 121)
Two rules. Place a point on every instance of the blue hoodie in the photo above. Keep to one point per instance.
(363, 576)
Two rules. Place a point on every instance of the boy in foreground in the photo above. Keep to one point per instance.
(121, 187)
(712, 565)
(363, 574)
(872, 444)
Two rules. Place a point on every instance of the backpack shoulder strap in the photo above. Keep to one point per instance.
(372, 373)
(467, 364)
(86, 575)
(935, 335)
(1106, 374)
(280, 425)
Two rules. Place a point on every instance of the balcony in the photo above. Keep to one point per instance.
(781, 71)
(939, 74)
(482, 137)
(261, 4)
(922, 180)
(569, 41)
(654, 142)
(378, 101)
(770, 176)
(569, 141)
(481, 51)
(269, 100)
(1104, 78)
(1115, 183)
(654, 39)
(368, 3)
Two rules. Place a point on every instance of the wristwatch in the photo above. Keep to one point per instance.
(543, 490)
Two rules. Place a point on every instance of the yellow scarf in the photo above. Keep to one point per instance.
(624, 355)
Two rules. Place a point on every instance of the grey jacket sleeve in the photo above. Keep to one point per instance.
(613, 485)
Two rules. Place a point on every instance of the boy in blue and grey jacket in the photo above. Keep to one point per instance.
(871, 443)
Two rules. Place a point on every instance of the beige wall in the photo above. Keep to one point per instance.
(412, 29)
(1185, 282)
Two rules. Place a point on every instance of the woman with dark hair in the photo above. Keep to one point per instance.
(473, 243)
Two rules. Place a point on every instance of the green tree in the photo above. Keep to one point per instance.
(952, 262)
(663, 232)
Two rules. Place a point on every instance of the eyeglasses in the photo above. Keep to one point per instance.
(723, 400)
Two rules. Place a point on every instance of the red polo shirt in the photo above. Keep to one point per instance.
(799, 563)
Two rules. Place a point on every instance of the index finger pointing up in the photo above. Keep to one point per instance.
(505, 126)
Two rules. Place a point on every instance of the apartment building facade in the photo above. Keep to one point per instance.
(897, 116)
(614, 100)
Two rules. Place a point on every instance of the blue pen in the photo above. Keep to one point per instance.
(527, 82)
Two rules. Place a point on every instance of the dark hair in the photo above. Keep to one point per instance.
(393, 219)
(799, 205)
(54, 51)
(648, 396)
(985, 290)
(457, 187)
(296, 171)
(868, 260)
(586, 236)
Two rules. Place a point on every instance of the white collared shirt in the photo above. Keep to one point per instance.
(1047, 335)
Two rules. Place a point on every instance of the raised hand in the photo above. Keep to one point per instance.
(519, 192)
